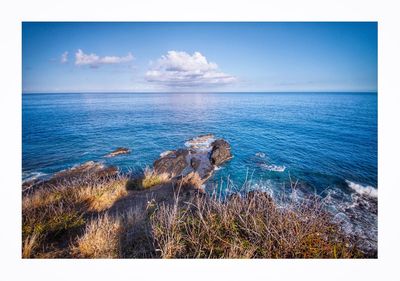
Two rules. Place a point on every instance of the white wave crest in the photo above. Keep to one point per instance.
(265, 186)
(273, 167)
(260, 154)
(165, 153)
(32, 176)
(201, 143)
(363, 189)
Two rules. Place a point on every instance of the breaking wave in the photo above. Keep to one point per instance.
(165, 153)
(273, 167)
(201, 143)
(32, 176)
(260, 154)
(366, 190)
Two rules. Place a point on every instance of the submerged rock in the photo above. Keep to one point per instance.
(201, 155)
(118, 151)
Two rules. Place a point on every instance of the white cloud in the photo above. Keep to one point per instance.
(64, 57)
(180, 69)
(94, 60)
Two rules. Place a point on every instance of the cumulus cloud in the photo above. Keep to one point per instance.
(180, 69)
(94, 60)
(64, 57)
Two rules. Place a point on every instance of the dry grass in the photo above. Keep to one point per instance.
(148, 179)
(74, 219)
(100, 239)
(192, 180)
(249, 227)
(52, 214)
(102, 197)
(120, 236)
(151, 178)
(29, 245)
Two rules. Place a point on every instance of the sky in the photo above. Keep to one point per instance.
(192, 57)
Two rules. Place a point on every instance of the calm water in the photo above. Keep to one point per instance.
(326, 141)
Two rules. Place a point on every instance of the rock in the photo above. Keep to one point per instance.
(90, 168)
(221, 152)
(172, 163)
(195, 163)
(118, 151)
(200, 156)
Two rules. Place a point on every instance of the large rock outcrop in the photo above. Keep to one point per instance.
(201, 155)
(221, 151)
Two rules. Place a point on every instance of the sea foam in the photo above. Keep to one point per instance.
(201, 143)
(363, 189)
(260, 154)
(32, 176)
(165, 153)
(273, 167)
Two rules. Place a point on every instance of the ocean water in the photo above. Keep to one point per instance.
(326, 141)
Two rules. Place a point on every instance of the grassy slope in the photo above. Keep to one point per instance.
(95, 218)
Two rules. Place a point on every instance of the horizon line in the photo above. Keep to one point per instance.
(189, 92)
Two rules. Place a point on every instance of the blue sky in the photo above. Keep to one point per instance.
(86, 57)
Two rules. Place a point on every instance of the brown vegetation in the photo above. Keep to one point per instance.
(50, 215)
(249, 227)
(149, 179)
(100, 239)
(192, 180)
(99, 218)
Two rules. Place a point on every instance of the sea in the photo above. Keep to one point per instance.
(322, 144)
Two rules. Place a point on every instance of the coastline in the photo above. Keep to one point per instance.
(149, 200)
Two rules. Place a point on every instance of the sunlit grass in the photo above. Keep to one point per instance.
(73, 219)
(51, 212)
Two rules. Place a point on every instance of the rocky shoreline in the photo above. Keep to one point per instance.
(92, 168)
(201, 156)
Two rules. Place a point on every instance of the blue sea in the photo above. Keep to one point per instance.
(325, 141)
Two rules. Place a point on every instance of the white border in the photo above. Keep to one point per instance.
(12, 13)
